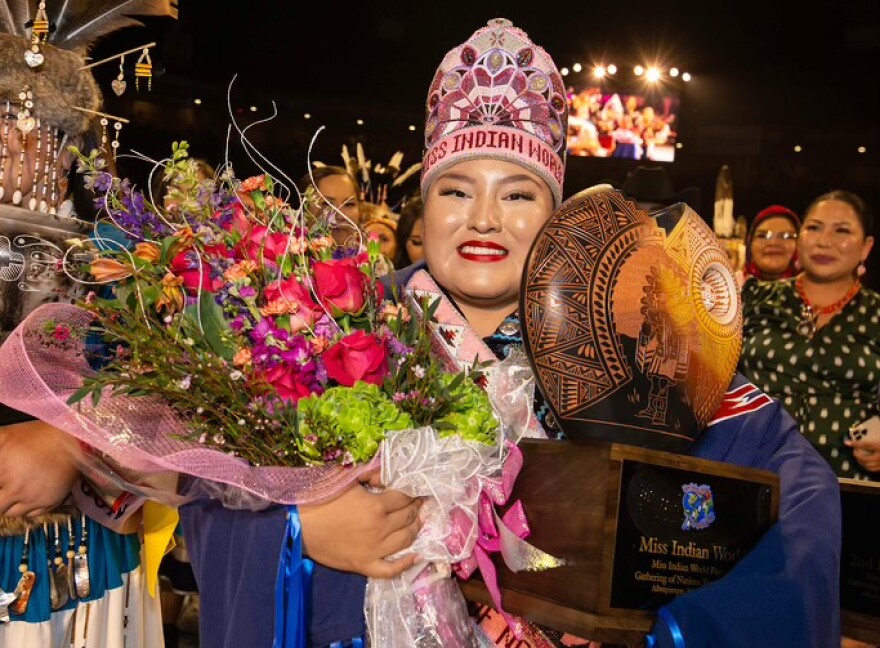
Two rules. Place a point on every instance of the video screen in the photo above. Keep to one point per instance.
(622, 125)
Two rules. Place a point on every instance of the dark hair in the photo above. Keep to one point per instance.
(412, 211)
(859, 206)
(319, 173)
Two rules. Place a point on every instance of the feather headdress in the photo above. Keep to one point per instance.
(380, 184)
(48, 91)
(80, 23)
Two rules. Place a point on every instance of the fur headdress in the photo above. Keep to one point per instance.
(45, 93)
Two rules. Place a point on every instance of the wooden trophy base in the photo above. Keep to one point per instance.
(636, 528)
(860, 561)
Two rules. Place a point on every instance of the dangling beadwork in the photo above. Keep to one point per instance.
(35, 182)
(4, 154)
(117, 126)
(81, 563)
(143, 69)
(48, 159)
(118, 84)
(60, 594)
(26, 583)
(40, 30)
(71, 553)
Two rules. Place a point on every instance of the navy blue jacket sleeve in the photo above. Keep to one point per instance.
(785, 592)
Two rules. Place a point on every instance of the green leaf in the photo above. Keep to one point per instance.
(80, 393)
(213, 324)
(165, 248)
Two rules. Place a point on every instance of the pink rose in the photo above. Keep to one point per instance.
(288, 382)
(340, 285)
(359, 356)
(186, 266)
(240, 221)
(290, 290)
(259, 244)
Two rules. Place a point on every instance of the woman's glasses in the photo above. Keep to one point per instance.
(769, 235)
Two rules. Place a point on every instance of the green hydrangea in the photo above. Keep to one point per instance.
(347, 423)
(471, 415)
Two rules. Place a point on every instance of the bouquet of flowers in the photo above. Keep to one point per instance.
(233, 341)
(269, 342)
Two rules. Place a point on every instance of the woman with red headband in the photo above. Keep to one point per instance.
(771, 244)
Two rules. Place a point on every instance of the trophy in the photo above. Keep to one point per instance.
(632, 325)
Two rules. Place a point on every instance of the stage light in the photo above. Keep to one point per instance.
(360, 122)
(798, 148)
(653, 75)
(564, 71)
(253, 109)
(638, 70)
(412, 127)
(598, 72)
(679, 145)
(612, 69)
(686, 77)
(861, 149)
(576, 67)
(307, 116)
(673, 72)
(197, 101)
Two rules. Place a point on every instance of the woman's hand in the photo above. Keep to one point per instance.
(358, 529)
(38, 465)
(865, 442)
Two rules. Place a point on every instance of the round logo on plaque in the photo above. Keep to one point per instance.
(632, 322)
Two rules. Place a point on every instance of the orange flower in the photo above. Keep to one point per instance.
(240, 270)
(172, 297)
(254, 183)
(104, 269)
(322, 243)
(147, 252)
(279, 307)
(394, 311)
(185, 238)
(242, 357)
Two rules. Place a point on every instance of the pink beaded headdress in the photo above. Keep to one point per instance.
(498, 95)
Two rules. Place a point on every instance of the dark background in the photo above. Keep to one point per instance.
(766, 76)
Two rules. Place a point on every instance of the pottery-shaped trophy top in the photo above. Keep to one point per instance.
(632, 322)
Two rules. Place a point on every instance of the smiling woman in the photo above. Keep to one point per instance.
(811, 340)
(481, 217)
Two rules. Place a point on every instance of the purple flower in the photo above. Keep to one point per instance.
(247, 292)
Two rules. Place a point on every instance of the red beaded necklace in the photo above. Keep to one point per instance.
(810, 313)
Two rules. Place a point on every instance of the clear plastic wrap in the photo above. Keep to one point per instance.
(423, 606)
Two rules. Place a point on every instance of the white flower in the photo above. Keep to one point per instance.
(236, 375)
(419, 371)
(185, 382)
(219, 439)
(188, 341)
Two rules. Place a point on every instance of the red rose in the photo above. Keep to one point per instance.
(186, 266)
(359, 356)
(340, 286)
(288, 382)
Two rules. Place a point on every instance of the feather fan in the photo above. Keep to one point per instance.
(79, 23)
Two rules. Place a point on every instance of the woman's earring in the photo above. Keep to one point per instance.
(118, 84)
(143, 69)
(861, 270)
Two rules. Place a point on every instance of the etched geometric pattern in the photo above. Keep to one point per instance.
(580, 304)
(566, 299)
